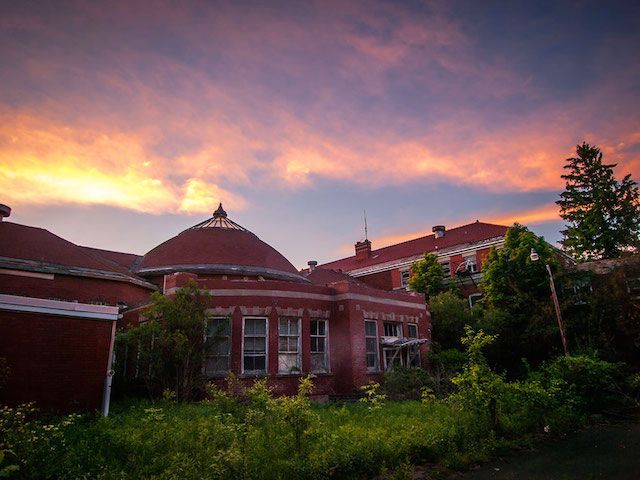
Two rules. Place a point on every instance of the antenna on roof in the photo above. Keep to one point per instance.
(366, 231)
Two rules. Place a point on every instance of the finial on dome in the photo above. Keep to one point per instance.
(220, 213)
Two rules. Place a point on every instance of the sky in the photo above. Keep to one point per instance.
(123, 123)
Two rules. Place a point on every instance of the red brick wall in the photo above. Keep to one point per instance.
(58, 362)
(381, 280)
(346, 328)
(481, 256)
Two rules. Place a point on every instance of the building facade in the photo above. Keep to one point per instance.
(460, 250)
(266, 319)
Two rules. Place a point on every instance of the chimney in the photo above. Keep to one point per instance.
(312, 265)
(439, 231)
(363, 250)
(5, 211)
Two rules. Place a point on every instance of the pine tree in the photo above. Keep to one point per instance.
(603, 214)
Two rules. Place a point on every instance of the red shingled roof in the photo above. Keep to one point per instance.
(40, 245)
(127, 260)
(216, 246)
(473, 232)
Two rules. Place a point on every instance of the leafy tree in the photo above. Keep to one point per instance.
(427, 276)
(171, 344)
(517, 300)
(603, 214)
(449, 315)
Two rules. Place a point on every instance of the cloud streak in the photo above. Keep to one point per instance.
(176, 109)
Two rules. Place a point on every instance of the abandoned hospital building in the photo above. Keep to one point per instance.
(345, 322)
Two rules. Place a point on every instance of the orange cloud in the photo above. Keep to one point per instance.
(44, 164)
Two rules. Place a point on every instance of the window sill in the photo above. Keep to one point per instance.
(254, 375)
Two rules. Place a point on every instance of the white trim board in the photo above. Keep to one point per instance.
(17, 303)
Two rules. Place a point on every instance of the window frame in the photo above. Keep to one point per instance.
(298, 352)
(473, 299)
(471, 261)
(390, 351)
(404, 282)
(414, 350)
(397, 326)
(446, 268)
(229, 338)
(376, 367)
(266, 348)
(327, 361)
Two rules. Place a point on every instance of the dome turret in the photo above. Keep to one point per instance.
(219, 246)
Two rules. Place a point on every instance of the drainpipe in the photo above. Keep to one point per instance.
(106, 393)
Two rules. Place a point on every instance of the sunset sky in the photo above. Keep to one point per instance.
(121, 124)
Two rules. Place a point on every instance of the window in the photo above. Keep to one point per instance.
(289, 345)
(319, 346)
(218, 346)
(472, 266)
(413, 351)
(446, 269)
(392, 329)
(371, 340)
(405, 275)
(392, 358)
(474, 298)
(413, 330)
(254, 346)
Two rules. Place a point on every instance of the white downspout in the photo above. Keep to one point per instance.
(106, 393)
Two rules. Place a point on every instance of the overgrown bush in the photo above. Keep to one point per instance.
(404, 383)
(243, 432)
(592, 383)
(169, 346)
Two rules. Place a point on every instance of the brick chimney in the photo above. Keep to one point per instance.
(363, 250)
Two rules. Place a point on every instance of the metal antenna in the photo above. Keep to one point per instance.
(366, 231)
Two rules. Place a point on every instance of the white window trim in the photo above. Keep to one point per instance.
(220, 372)
(326, 343)
(266, 348)
(375, 369)
(299, 342)
(397, 328)
(408, 360)
(470, 260)
(473, 295)
(415, 325)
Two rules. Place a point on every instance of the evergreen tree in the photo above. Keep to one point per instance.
(603, 214)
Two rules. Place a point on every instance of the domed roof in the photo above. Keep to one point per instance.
(218, 246)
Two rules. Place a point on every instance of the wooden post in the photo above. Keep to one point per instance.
(556, 304)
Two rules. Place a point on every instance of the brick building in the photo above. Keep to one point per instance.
(460, 250)
(266, 319)
(59, 304)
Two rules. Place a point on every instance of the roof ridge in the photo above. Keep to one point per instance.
(404, 242)
(107, 250)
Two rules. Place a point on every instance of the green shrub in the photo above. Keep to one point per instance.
(404, 383)
(587, 381)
